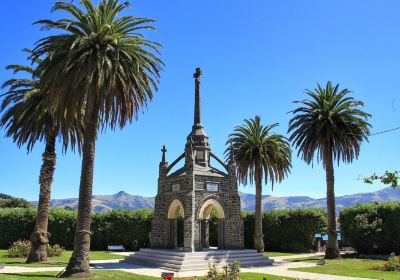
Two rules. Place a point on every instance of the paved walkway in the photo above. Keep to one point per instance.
(279, 268)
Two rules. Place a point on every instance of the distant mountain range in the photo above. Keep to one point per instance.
(123, 200)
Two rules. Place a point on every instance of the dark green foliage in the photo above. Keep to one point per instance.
(372, 228)
(15, 224)
(287, 230)
(13, 202)
(5, 196)
(389, 178)
(126, 227)
(62, 227)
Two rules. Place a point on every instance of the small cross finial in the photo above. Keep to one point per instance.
(163, 150)
(197, 74)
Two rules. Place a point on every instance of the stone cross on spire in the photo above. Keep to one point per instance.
(197, 103)
(163, 150)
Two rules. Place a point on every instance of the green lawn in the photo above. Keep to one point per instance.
(279, 254)
(97, 275)
(119, 275)
(56, 261)
(258, 276)
(349, 267)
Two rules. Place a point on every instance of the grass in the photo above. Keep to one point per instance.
(348, 267)
(258, 276)
(119, 275)
(279, 254)
(97, 275)
(56, 261)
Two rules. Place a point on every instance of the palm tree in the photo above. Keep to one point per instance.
(331, 125)
(28, 120)
(102, 67)
(259, 155)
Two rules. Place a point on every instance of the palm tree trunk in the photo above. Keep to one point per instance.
(78, 265)
(258, 236)
(40, 237)
(332, 250)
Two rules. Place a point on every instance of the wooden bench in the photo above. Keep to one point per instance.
(117, 248)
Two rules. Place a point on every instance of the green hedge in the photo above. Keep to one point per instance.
(129, 228)
(372, 228)
(284, 230)
(287, 230)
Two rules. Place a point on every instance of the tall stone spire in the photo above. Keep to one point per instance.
(197, 101)
(197, 148)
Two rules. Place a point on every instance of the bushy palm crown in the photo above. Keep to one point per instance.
(100, 63)
(26, 117)
(253, 145)
(329, 119)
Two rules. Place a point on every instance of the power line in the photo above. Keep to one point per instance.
(389, 130)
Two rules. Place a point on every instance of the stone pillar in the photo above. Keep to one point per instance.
(205, 233)
(188, 242)
(189, 222)
(221, 234)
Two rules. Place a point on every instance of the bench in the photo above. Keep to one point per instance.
(118, 248)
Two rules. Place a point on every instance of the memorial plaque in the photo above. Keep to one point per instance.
(176, 187)
(212, 186)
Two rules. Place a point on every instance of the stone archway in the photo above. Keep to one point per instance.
(204, 217)
(175, 211)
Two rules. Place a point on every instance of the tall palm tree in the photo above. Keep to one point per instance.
(28, 120)
(103, 66)
(259, 155)
(331, 126)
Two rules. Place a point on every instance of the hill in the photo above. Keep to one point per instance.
(123, 200)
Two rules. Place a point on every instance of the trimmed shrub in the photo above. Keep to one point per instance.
(127, 227)
(130, 228)
(13, 202)
(284, 230)
(16, 224)
(62, 227)
(290, 230)
(372, 228)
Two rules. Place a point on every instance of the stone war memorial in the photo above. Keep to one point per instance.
(192, 192)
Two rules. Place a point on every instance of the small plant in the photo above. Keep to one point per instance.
(21, 249)
(229, 272)
(392, 264)
(55, 251)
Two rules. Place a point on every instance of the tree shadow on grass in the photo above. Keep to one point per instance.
(23, 263)
(312, 259)
(25, 275)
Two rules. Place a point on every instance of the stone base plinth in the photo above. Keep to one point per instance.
(178, 260)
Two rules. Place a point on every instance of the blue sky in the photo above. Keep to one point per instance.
(257, 57)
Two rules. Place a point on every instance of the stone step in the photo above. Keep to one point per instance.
(184, 261)
(199, 260)
(202, 256)
(196, 266)
(197, 253)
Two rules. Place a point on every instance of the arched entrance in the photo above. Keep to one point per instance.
(211, 205)
(175, 224)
